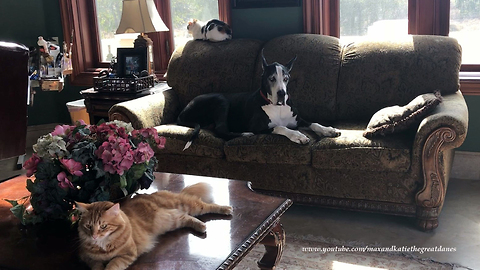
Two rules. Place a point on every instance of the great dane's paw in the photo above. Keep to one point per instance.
(331, 132)
(247, 134)
(298, 137)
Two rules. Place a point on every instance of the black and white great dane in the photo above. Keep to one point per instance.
(267, 110)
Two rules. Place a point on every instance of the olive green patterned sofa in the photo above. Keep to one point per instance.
(341, 85)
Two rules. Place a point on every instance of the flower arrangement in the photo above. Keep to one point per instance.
(86, 163)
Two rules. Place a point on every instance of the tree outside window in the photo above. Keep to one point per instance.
(372, 18)
(465, 27)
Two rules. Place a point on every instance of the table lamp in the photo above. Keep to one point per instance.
(141, 16)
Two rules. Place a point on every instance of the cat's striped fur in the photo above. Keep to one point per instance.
(113, 236)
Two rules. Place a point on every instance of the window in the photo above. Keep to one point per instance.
(351, 18)
(372, 18)
(109, 13)
(202, 10)
(465, 27)
(87, 32)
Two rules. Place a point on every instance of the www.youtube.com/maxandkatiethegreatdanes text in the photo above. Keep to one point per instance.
(411, 249)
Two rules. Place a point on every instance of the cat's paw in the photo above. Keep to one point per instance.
(201, 227)
(226, 210)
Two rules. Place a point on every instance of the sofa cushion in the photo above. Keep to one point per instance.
(396, 119)
(353, 151)
(206, 144)
(268, 148)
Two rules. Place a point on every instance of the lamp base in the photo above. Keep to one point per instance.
(143, 41)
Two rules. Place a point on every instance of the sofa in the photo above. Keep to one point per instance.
(404, 173)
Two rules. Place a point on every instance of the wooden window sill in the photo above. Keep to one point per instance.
(470, 83)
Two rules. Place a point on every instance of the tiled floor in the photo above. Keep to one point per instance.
(459, 226)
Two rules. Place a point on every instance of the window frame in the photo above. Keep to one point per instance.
(79, 23)
(425, 17)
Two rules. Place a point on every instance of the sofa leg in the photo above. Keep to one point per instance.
(430, 199)
(427, 218)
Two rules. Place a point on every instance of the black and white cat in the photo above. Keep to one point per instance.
(213, 30)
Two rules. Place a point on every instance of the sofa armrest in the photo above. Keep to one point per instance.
(437, 136)
(148, 111)
(451, 114)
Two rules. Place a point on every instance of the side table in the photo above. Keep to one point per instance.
(98, 103)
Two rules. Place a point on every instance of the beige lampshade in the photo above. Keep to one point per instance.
(140, 16)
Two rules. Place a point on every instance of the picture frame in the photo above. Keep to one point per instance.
(239, 4)
(131, 61)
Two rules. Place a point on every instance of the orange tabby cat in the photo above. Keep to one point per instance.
(113, 237)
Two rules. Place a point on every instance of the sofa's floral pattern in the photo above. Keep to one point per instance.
(201, 67)
(268, 148)
(205, 145)
(377, 74)
(148, 111)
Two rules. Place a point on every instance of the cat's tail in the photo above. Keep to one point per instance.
(201, 190)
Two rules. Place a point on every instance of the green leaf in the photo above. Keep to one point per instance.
(18, 211)
(136, 171)
(103, 196)
(123, 181)
(12, 202)
(35, 187)
(98, 167)
(47, 170)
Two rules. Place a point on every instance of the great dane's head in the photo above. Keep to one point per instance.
(275, 78)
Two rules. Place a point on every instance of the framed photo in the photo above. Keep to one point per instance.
(265, 3)
(131, 61)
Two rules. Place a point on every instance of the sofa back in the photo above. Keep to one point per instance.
(378, 73)
(329, 81)
(201, 67)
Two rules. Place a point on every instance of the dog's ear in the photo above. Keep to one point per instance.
(290, 64)
(264, 61)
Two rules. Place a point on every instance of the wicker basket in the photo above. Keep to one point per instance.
(106, 84)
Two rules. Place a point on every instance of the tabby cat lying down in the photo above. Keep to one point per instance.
(113, 238)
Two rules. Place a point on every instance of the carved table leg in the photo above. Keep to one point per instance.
(430, 199)
(274, 242)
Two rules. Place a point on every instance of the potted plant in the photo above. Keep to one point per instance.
(86, 163)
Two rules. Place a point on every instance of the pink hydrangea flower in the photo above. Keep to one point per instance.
(116, 155)
(143, 153)
(150, 133)
(61, 130)
(31, 164)
(63, 181)
(73, 167)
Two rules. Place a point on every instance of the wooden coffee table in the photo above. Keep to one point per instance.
(255, 220)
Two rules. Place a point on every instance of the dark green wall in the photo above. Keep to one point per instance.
(24, 20)
(472, 142)
(266, 23)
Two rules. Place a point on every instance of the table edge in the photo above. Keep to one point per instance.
(260, 232)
